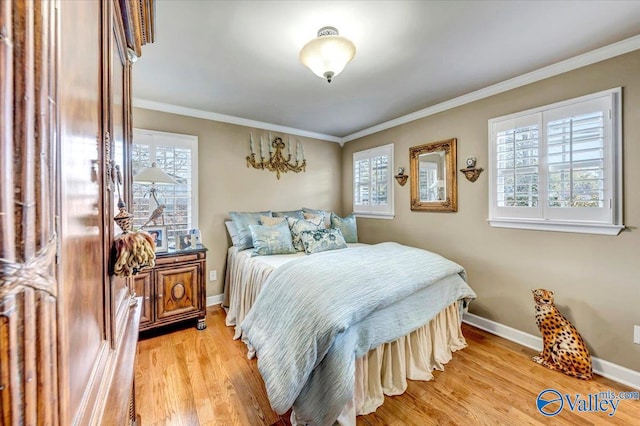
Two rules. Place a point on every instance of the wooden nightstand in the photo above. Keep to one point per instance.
(174, 290)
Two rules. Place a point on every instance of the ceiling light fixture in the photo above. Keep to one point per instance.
(328, 54)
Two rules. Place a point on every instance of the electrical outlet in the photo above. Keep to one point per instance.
(636, 334)
(213, 275)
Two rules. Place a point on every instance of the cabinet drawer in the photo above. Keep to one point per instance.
(171, 260)
(177, 291)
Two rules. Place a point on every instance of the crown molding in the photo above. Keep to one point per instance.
(214, 116)
(606, 52)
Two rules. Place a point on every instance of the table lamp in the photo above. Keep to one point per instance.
(154, 175)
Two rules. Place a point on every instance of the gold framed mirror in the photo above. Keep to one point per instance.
(433, 176)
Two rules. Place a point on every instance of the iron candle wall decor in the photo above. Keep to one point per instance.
(276, 161)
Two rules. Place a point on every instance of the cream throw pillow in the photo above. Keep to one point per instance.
(271, 221)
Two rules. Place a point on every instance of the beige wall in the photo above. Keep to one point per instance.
(226, 184)
(596, 278)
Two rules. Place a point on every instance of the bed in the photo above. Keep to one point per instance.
(355, 381)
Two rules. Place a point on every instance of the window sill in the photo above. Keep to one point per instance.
(575, 227)
(374, 215)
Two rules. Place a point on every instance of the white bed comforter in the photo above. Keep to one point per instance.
(316, 315)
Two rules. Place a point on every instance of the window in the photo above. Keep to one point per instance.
(559, 167)
(177, 155)
(372, 182)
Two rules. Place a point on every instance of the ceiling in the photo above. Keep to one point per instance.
(240, 58)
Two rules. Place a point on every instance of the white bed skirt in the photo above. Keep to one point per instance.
(243, 281)
(383, 370)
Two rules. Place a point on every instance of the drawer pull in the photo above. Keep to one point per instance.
(160, 295)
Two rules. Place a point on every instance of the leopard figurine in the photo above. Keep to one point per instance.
(563, 347)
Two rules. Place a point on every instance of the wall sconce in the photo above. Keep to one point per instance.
(276, 161)
(471, 172)
(401, 177)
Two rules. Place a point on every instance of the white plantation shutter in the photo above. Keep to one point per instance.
(372, 177)
(579, 183)
(517, 167)
(140, 159)
(176, 155)
(558, 167)
(361, 179)
(177, 162)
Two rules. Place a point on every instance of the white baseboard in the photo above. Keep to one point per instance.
(607, 369)
(215, 300)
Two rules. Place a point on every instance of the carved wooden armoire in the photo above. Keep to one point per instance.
(68, 328)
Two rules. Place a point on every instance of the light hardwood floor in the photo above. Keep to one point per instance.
(189, 377)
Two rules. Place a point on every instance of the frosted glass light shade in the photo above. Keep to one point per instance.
(328, 54)
(154, 174)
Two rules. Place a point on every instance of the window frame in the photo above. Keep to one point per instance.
(176, 140)
(522, 217)
(375, 211)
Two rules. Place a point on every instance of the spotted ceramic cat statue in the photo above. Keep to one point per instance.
(564, 349)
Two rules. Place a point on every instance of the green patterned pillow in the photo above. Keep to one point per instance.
(347, 225)
(242, 220)
(268, 240)
(298, 214)
(300, 225)
(322, 240)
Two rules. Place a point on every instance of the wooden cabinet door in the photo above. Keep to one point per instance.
(142, 286)
(82, 332)
(177, 291)
(118, 187)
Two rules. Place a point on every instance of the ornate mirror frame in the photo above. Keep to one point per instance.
(449, 201)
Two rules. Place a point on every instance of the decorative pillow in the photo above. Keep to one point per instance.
(298, 214)
(322, 240)
(242, 220)
(347, 225)
(313, 216)
(300, 225)
(268, 240)
(233, 232)
(326, 214)
(271, 221)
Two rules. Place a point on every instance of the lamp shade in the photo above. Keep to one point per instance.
(328, 54)
(154, 174)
